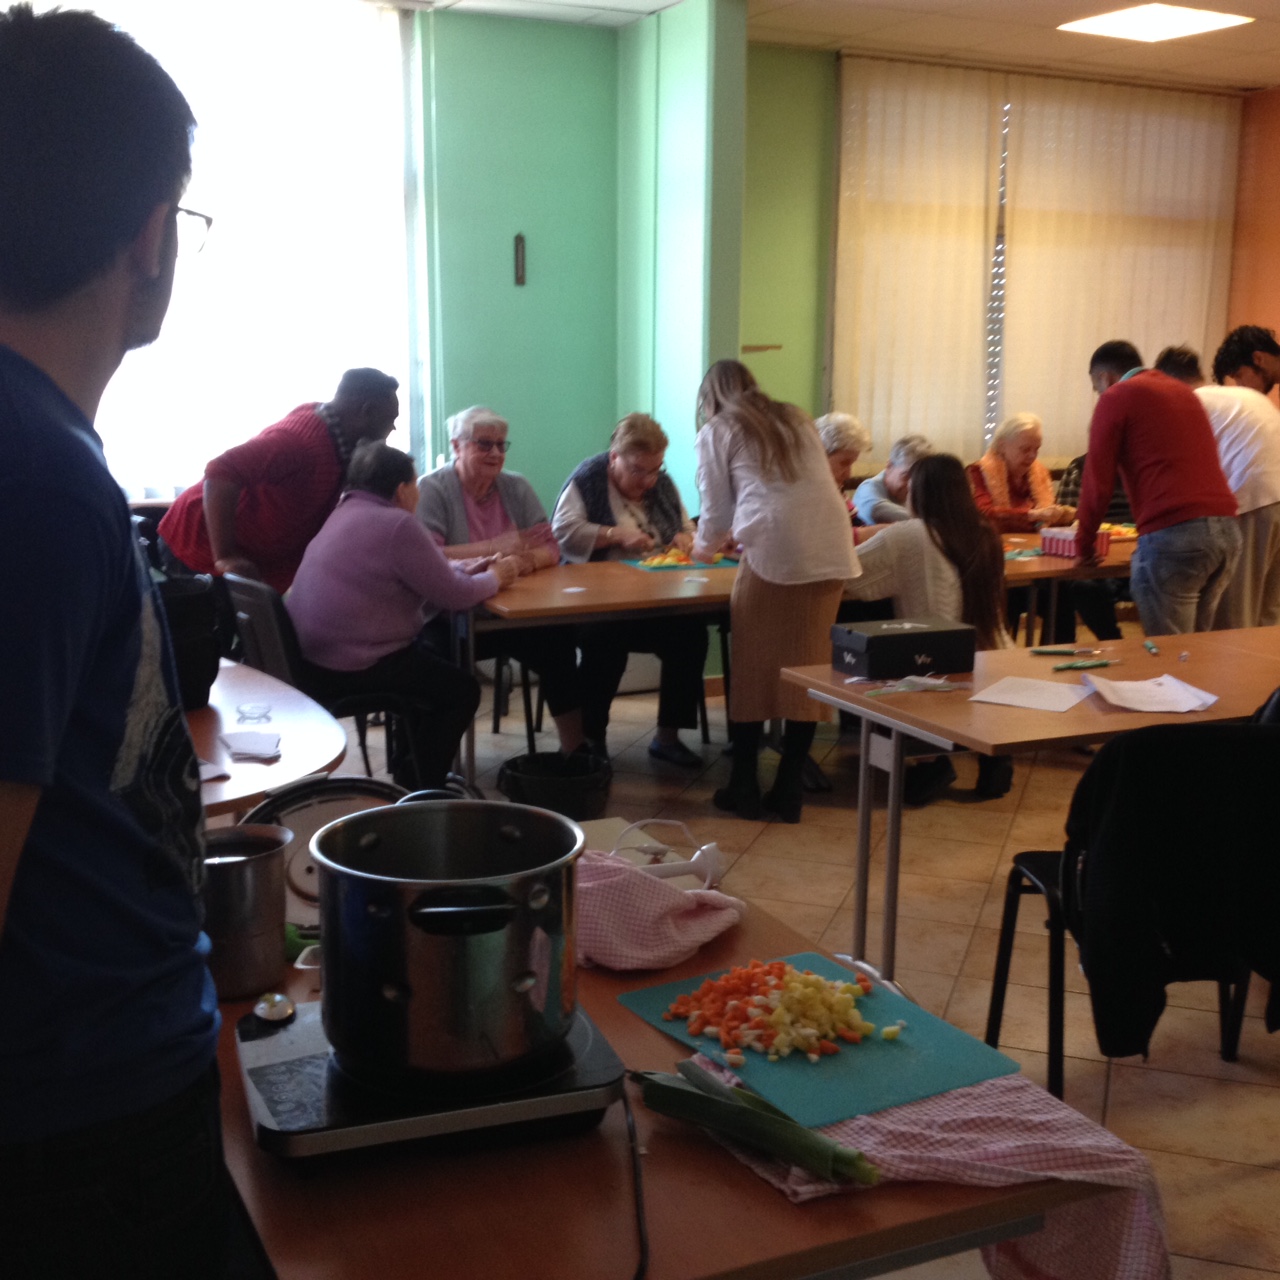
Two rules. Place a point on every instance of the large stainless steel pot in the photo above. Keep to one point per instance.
(446, 936)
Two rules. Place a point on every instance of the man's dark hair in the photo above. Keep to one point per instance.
(378, 468)
(93, 135)
(1182, 363)
(1238, 347)
(1116, 357)
(359, 386)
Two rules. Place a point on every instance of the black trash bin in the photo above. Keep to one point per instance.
(576, 786)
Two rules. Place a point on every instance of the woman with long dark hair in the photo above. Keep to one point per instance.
(763, 475)
(946, 561)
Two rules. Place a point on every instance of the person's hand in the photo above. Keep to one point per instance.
(637, 541)
(508, 543)
(238, 565)
(477, 564)
(683, 542)
(1052, 515)
(538, 535)
(527, 563)
(506, 569)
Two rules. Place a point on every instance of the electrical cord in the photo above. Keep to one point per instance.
(642, 1226)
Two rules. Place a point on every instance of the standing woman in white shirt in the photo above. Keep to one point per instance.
(763, 476)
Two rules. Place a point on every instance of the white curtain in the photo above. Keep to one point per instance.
(916, 226)
(299, 158)
(1119, 222)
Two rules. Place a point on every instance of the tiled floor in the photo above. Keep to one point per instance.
(1211, 1129)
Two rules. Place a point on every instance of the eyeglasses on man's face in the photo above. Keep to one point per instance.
(488, 446)
(193, 230)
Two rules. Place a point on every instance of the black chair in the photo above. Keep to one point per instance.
(1041, 871)
(269, 643)
(501, 693)
(1168, 875)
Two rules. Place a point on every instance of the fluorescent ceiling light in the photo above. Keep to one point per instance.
(1153, 22)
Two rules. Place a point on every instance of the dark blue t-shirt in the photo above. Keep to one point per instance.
(106, 1004)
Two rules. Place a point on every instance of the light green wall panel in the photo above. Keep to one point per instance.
(789, 205)
(521, 137)
(680, 211)
(637, 213)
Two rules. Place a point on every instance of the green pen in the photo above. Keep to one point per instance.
(1085, 665)
(1149, 647)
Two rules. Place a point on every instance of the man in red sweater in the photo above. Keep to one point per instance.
(263, 501)
(1154, 431)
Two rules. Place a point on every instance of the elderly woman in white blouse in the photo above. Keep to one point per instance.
(622, 505)
(762, 473)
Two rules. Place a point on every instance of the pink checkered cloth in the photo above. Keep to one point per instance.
(999, 1132)
(627, 919)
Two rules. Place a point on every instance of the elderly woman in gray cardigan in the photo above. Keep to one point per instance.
(621, 505)
(472, 507)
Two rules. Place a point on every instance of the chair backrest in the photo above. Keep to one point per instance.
(266, 631)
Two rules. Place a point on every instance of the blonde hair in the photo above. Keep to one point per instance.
(1014, 426)
(772, 430)
(638, 433)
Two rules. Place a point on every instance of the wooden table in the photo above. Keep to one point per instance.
(1242, 668)
(601, 591)
(562, 1208)
(1052, 570)
(311, 740)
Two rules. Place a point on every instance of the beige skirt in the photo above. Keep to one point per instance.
(773, 627)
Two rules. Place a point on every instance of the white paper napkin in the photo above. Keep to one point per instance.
(1035, 695)
(1162, 693)
(252, 745)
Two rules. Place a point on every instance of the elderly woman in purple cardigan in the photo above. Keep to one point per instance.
(368, 582)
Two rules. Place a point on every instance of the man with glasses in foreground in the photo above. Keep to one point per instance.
(262, 502)
(621, 505)
(110, 1139)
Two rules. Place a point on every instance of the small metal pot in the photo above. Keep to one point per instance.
(446, 932)
(244, 907)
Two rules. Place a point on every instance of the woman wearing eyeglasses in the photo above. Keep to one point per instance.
(473, 507)
(622, 505)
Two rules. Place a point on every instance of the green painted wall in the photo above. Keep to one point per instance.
(520, 136)
(681, 129)
(619, 154)
(637, 213)
(791, 165)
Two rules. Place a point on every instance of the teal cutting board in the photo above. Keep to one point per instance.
(726, 563)
(928, 1058)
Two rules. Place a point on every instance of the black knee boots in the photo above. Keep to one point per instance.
(742, 795)
(785, 799)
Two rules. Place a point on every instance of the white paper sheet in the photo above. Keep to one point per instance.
(1162, 693)
(249, 745)
(210, 772)
(1035, 695)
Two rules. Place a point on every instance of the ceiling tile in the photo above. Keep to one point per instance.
(796, 39)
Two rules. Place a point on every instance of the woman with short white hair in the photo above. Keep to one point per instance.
(1012, 488)
(472, 506)
(844, 438)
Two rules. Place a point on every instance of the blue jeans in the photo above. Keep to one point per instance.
(1178, 574)
(146, 1196)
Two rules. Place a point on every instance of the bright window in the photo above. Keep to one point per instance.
(299, 158)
